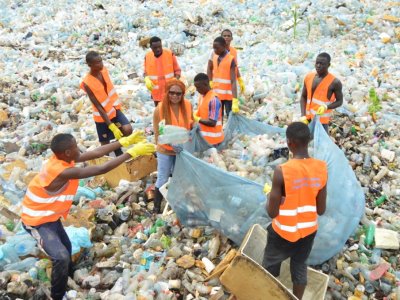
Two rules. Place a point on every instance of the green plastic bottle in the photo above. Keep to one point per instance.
(369, 234)
(380, 200)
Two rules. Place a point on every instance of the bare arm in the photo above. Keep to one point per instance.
(177, 68)
(208, 122)
(233, 79)
(303, 100)
(156, 121)
(78, 173)
(275, 196)
(99, 152)
(97, 104)
(321, 201)
(337, 89)
(210, 68)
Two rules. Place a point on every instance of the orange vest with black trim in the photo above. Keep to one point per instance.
(108, 99)
(319, 97)
(213, 135)
(40, 206)
(180, 121)
(303, 178)
(153, 71)
(222, 84)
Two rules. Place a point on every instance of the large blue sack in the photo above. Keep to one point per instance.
(237, 124)
(345, 201)
(201, 194)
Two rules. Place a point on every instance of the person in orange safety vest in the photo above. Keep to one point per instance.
(208, 114)
(160, 66)
(321, 93)
(223, 77)
(297, 197)
(50, 194)
(228, 37)
(173, 110)
(109, 119)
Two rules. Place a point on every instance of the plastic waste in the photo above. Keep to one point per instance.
(79, 238)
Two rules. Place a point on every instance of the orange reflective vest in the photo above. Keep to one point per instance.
(233, 52)
(319, 97)
(180, 121)
(159, 74)
(213, 135)
(222, 77)
(303, 178)
(40, 206)
(109, 99)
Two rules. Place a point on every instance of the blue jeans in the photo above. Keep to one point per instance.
(55, 242)
(165, 167)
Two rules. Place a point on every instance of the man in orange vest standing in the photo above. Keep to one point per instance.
(223, 77)
(321, 93)
(50, 194)
(297, 197)
(110, 121)
(209, 111)
(160, 65)
(228, 37)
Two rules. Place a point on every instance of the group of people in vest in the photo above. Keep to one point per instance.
(298, 191)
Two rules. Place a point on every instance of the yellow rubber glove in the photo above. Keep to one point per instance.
(142, 149)
(304, 120)
(136, 137)
(241, 85)
(322, 109)
(235, 105)
(267, 189)
(211, 84)
(196, 118)
(115, 130)
(149, 83)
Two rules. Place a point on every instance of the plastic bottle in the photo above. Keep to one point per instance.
(84, 192)
(367, 162)
(213, 247)
(8, 254)
(369, 234)
(23, 265)
(380, 200)
(245, 154)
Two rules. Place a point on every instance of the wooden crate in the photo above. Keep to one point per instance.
(247, 279)
(131, 170)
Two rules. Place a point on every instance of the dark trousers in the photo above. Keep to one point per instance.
(55, 242)
(227, 106)
(278, 249)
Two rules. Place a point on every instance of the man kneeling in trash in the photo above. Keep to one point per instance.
(297, 197)
(50, 193)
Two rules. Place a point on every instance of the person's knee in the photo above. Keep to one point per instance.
(127, 129)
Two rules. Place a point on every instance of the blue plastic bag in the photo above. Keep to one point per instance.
(79, 237)
(345, 201)
(216, 198)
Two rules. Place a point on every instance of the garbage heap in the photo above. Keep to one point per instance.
(42, 62)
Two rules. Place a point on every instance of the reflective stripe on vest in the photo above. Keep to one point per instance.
(39, 206)
(213, 135)
(151, 69)
(222, 84)
(109, 101)
(319, 97)
(303, 179)
(174, 121)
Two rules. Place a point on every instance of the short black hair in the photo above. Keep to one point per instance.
(227, 30)
(61, 142)
(326, 55)
(91, 55)
(154, 39)
(220, 40)
(299, 133)
(201, 77)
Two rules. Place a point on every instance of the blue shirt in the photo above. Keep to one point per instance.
(213, 108)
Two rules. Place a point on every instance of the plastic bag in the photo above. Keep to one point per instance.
(238, 124)
(196, 142)
(345, 201)
(216, 198)
(79, 237)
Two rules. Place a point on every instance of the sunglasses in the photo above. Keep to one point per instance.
(175, 93)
